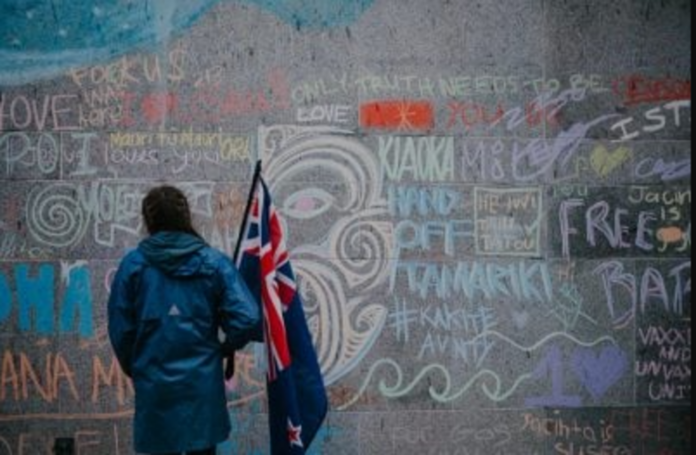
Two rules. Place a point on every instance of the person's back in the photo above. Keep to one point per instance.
(169, 299)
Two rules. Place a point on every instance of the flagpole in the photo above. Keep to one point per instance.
(230, 367)
(250, 200)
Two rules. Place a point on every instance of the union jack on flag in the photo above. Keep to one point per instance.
(297, 398)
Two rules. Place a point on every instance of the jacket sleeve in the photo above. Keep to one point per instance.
(122, 318)
(240, 313)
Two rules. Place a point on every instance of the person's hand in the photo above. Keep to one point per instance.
(229, 367)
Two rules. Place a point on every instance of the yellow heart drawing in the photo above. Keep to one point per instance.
(605, 162)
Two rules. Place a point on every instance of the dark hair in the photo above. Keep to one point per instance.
(166, 208)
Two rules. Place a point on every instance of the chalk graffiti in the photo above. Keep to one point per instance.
(409, 116)
(349, 259)
(100, 438)
(604, 162)
(207, 105)
(636, 89)
(664, 367)
(600, 372)
(468, 239)
(559, 427)
(44, 40)
(532, 160)
(670, 114)
(61, 214)
(521, 281)
(421, 159)
(441, 323)
(33, 306)
(650, 294)
(51, 113)
(667, 171)
(399, 389)
(508, 222)
(661, 218)
(177, 151)
(495, 393)
(331, 115)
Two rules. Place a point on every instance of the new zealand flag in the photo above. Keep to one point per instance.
(297, 397)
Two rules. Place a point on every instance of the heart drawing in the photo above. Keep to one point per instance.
(604, 162)
(600, 372)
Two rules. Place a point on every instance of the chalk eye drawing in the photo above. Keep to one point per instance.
(44, 38)
(326, 175)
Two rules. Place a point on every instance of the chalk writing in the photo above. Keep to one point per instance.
(328, 114)
(88, 438)
(636, 89)
(20, 150)
(664, 369)
(532, 160)
(50, 113)
(34, 304)
(440, 322)
(60, 215)
(204, 105)
(398, 115)
(177, 151)
(407, 201)
(508, 222)
(422, 159)
(522, 281)
(14, 246)
(652, 430)
(18, 373)
(309, 92)
(448, 438)
(426, 236)
(626, 296)
(45, 152)
(559, 427)
(135, 70)
(667, 171)
(659, 118)
(662, 218)
(472, 115)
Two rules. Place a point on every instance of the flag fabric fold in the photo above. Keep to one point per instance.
(297, 399)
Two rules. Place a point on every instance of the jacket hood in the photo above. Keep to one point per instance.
(174, 252)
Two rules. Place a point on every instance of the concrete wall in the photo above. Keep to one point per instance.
(488, 203)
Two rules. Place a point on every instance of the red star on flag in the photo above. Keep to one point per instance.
(295, 435)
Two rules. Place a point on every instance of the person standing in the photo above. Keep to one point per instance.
(169, 300)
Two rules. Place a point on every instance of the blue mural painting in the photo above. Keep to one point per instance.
(44, 38)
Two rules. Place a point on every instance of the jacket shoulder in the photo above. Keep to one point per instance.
(216, 259)
(132, 262)
(134, 258)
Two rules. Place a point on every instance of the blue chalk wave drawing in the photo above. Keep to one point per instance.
(44, 38)
(489, 382)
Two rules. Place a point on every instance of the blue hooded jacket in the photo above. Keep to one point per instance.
(168, 301)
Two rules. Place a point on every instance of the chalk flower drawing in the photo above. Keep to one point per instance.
(327, 176)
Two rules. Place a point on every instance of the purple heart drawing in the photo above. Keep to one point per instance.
(599, 373)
